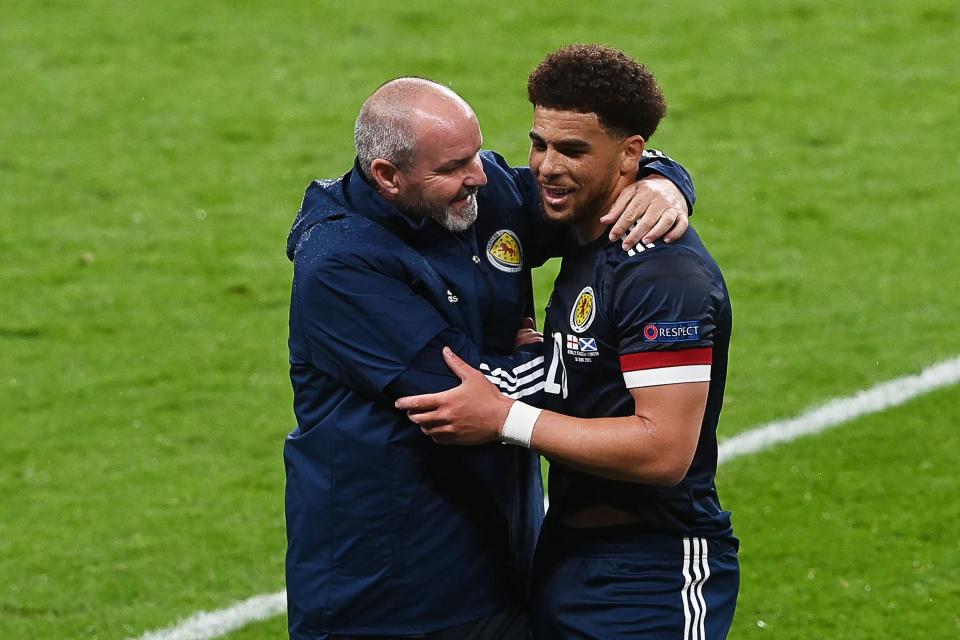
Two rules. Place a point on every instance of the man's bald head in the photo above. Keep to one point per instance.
(418, 144)
(395, 118)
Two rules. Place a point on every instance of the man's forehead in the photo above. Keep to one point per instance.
(441, 140)
(565, 122)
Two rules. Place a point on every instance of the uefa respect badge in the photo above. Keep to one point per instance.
(683, 331)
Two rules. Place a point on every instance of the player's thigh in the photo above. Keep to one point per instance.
(689, 596)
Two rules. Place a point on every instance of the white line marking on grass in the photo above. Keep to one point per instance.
(883, 396)
(214, 624)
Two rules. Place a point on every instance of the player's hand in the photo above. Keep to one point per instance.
(469, 414)
(527, 334)
(657, 207)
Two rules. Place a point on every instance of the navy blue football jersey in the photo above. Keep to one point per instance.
(656, 315)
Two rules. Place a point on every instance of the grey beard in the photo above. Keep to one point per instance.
(458, 220)
(451, 219)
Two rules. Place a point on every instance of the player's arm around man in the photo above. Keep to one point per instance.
(654, 446)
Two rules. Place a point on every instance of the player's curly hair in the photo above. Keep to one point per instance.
(594, 78)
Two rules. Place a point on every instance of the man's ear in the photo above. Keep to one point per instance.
(386, 176)
(631, 151)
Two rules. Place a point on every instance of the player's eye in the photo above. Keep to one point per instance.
(571, 152)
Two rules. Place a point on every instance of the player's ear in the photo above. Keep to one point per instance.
(631, 151)
(386, 176)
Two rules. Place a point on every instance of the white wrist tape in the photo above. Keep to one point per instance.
(518, 427)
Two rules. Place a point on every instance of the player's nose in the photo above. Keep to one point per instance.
(550, 164)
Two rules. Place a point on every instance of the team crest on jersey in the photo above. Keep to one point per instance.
(504, 251)
(584, 309)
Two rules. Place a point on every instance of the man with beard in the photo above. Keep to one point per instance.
(427, 242)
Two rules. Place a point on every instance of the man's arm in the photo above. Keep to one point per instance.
(654, 446)
(519, 375)
(365, 323)
(655, 206)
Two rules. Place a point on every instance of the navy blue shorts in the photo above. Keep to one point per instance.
(507, 624)
(617, 583)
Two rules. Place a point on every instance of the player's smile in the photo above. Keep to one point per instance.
(556, 197)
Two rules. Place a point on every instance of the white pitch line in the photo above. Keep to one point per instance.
(878, 398)
(214, 624)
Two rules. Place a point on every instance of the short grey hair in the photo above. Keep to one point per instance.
(384, 131)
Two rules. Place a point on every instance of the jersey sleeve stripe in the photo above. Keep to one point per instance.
(661, 359)
(507, 385)
(667, 375)
(522, 380)
(529, 391)
(526, 366)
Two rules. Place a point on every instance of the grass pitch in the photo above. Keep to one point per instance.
(152, 157)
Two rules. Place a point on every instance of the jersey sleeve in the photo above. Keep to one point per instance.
(665, 308)
(385, 339)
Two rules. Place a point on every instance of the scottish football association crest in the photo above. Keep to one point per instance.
(504, 251)
(584, 308)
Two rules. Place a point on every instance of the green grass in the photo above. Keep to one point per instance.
(152, 157)
(853, 534)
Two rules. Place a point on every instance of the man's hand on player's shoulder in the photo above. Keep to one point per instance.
(657, 207)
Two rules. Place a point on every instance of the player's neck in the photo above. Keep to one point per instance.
(589, 229)
(586, 231)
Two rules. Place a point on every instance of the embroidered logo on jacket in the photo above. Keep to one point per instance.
(584, 308)
(504, 251)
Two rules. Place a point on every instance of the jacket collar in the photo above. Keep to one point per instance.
(363, 199)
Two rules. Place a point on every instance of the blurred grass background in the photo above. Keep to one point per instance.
(153, 156)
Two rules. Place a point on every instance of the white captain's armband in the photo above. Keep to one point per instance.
(653, 368)
(518, 427)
